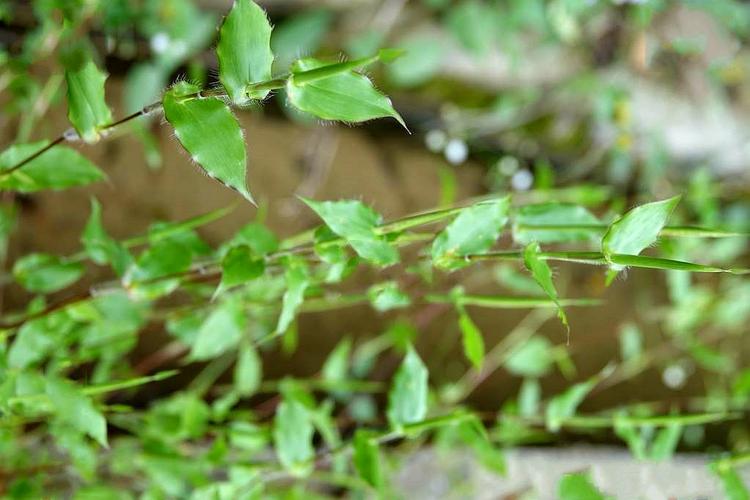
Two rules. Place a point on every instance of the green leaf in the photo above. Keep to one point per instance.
(473, 341)
(292, 435)
(58, 168)
(348, 97)
(297, 280)
(542, 274)
(473, 23)
(76, 410)
(732, 483)
(407, 398)
(367, 458)
(554, 223)
(533, 358)
(239, 266)
(336, 366)
(564, 405)
(637, 229)
(87, 108)
(209, 131)
(666, 441)
(44, 273)
(578, 486)
(221, 331)
(244, 50)
(247, 371)
(99, 246)
(387, 296)
(474, 231)
(356, 223)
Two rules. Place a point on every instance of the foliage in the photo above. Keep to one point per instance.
(70, 390)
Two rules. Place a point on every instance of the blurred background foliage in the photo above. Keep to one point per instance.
(601, 103)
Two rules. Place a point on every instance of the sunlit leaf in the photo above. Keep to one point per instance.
(44, 273)
(474, 231)
(348, 96)
(356, 222)
(244, 50)
(87, 108)
(211, 134)
(542, 274)
(292, 435)
(58, 168)
(407, 399)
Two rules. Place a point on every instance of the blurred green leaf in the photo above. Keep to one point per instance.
(58, 168)
(554, 223)
(474, 231)
(292, 435)
(44, 273)
(387, 296)
(76, 410)
(239, 266)
(356, 223)
(336, 366)
(367, 458)
(248, 370)
(221, 331)
(297, 280)
(542, 274)
(99, 246)
(299, 35)
(732, 483)
(473, 342)
(578, 486)
(407, 399)
(244, 50)
(211, 134)
(533, 358)
(637, 229)
(565, 405)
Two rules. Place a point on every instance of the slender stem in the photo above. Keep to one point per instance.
(32, 157)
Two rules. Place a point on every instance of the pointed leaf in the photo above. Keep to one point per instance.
(637, 229)
(58, 168)
(239, 266)
(244, 50)
(578, 486)
(99, 246)
(209, 131)
(542, 274)
(356, 223)
(407, 399)
(474, 231)
(297, 280)
(367, 458)
(87, 108)
(348, 97)
(473, 341)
